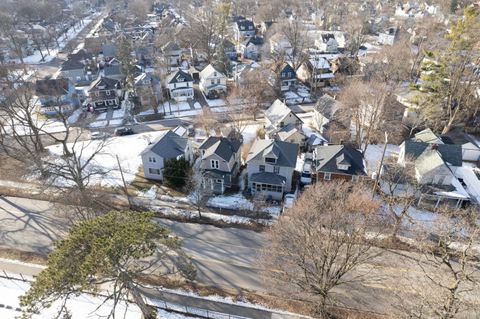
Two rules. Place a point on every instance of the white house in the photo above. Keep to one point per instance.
(243, 29)
(172, 53)
(270, 166)
(279, 115)
(251, 47)
(470, 145)
(212, 82)
(388, 36)
(180, 86)
(279, 44)
(166, 147)
(328, 41)
(316, 71)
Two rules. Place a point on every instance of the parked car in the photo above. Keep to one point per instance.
(288, 201)
(306, 177)
(98, 135)
(122, 131)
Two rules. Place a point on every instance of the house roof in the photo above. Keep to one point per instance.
(221, 146)
(284, 68)
(450, 153)
(113, 70)
(427, 136)
(255, 40)
(227, 44)
(327, 106)
(287, 131)
(179, 77)
(209, 71)
(72, 65)
(460, 138)
(278, 111)
(268, 178)
(245, 25)
(171, 46)
(430, 158)
(52, 87)
(328, 157)
(168, 145)
(110, 84)
(286, 153)
(318, 63)
(80, 55)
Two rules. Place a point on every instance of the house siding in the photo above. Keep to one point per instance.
(159, 164)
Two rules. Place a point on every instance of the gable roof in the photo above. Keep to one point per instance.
(327, 106)
(72, 65)
(209, 71)
(459, 137)
(427, 136)
(52, 87)
(110, 84)
(429, 159)
(287, 131)
(80, 55)
(171, 46)
(278, 111)
(179, 77)
(328, 157)
(113, 70)
(245, 25)
(450, 153)
(286, 153)
(168, 145)
(255, 40)
(221, 146)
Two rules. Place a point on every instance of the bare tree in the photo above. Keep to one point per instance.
(199, 192)
(450, 266)
(320, 243)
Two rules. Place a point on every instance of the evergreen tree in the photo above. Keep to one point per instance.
(176, 172)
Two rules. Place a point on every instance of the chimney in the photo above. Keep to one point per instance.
(434, 146)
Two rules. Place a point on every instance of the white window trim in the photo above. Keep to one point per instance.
(327, 176)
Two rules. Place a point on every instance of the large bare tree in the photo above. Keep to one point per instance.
(321, 242)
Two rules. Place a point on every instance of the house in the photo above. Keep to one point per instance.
(229, 49)
(251, 48)
(316, 72)
(280, 45)
(166, 147)
(292, 134)
(219, 163)
(104, 93)
(470, 145)
(77, 72)
(270, 166)
(55, 93)
(180, 86)
(342, 162)
(388, 36)
(328, 41)
(212, 82)
(109, 50)
(172, 53)
(285, 77)
(114, 71)
(435, 167)
(147, 86)
(279, 115)
(244, 28)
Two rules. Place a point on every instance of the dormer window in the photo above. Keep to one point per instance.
(270, 160)
(343, 167)
(107, 92)
(214, 73)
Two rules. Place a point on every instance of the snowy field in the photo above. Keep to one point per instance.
(127, 148)
(373, 155)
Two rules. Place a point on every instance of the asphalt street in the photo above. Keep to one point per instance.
(224, 257)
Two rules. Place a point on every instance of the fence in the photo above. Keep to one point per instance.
(194, 311)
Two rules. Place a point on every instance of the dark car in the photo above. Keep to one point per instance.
(122, 131)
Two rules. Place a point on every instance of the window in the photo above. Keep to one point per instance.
(270, 160)
(152, 160)
(174, 85)
(327, 176)
(276, 169)
(218, 181)
(343, 167)
(154, 171)
(282, 124)
(214, 163)
(355, 178)
(218, 81)
(261, 168)
(107, 92)
(212, 81)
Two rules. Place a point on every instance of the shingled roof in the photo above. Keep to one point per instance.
(168, 146)
(328, 157)
(52, 87)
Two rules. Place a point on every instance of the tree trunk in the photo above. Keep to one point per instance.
(147, 311)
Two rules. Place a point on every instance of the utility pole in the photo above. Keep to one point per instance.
(125, 189)
(377, 177)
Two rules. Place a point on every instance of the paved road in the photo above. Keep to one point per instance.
(224, 257)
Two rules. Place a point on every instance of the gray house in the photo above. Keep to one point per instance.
(167, 146)
(220, 162)
(270, 166)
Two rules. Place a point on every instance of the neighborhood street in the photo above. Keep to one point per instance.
(224, 257)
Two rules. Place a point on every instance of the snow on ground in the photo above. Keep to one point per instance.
(128, 149)
(374, 152)
(300, 162)
(249, 133)
(172, 107)
(197, 105)
(81, 307)
(73, 118)
(120, 113)
(101, 116)
(36, 58)
(236, 201)
(215, 102)
(98, 124)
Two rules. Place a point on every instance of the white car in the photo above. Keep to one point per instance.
(288, 202)
(306, 177)
(98, 135)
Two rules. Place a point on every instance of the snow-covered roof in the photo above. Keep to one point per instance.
(277, 112)
(209, 71)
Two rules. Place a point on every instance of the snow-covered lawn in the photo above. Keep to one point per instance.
(197, 105)
(36, 58)
(127, 148)
(236, 201)
(171, 107)
(215, 102)
(249, 133)
(374, 152)
(73, 118)
(98, 124)
(120, 113)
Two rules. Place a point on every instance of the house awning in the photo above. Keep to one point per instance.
(268, 178)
